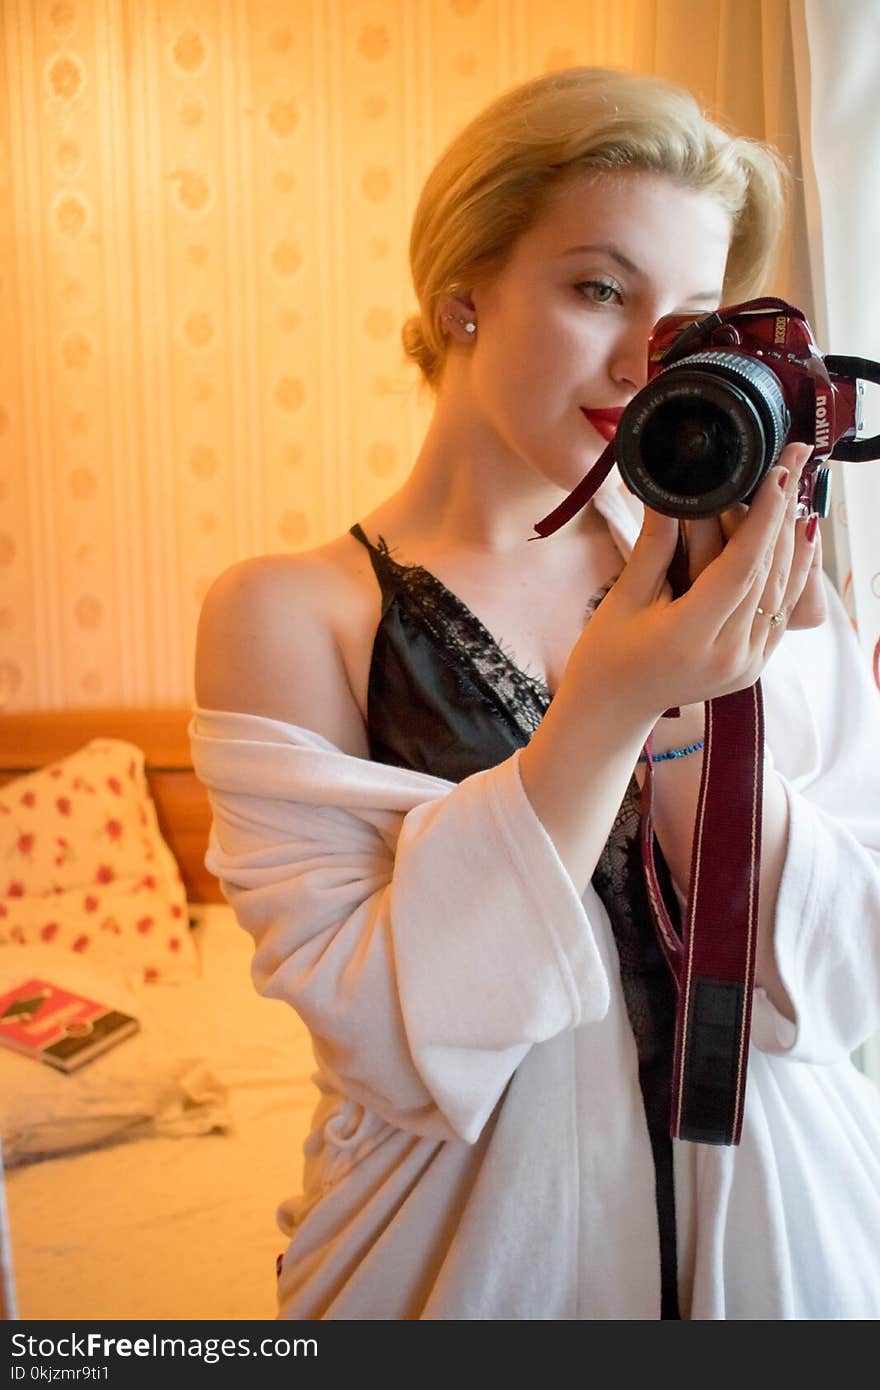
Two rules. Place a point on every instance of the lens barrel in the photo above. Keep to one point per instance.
(702, 434)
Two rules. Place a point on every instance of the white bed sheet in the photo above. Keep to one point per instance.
(179, 1228)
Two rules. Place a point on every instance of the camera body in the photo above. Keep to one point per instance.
(724, 394)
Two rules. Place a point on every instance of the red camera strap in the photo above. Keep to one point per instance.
(713, 960)
(713, 964)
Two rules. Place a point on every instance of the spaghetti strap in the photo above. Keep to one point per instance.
(383, 561)
(383, 565)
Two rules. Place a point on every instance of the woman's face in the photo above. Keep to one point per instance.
(563, 327)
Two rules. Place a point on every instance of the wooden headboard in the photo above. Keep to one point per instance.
(31, 739)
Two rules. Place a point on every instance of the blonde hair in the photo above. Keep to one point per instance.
(496, 176)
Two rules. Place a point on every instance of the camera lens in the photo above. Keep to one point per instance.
(693, 442)
(702, 434)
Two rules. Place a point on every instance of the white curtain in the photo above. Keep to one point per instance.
(837, 76)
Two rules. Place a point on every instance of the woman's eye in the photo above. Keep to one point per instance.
(599, 291)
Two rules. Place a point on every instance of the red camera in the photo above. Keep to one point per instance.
(724, 394)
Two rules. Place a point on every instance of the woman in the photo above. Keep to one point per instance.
(422, 759)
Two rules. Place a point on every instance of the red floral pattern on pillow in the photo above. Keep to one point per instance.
(83, 865)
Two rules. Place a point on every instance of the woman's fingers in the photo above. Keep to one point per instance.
(779, 592)
(806, 601)
(704, 540)
(732, 519)
(740, 571)
(802, 596)
(795, 586)
(711, 640)
(643, 579)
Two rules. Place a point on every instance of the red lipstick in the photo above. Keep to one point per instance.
(604, 422)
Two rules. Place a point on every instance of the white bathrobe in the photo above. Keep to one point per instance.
(479, 1146)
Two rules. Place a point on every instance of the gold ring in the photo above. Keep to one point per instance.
(775, 618)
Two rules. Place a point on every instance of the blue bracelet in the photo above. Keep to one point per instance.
(672, 753)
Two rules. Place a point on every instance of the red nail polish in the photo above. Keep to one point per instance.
(782, 479)
(811, 527)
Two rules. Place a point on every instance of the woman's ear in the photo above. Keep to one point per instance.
(458, 317)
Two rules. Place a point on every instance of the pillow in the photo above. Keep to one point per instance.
(83, 865)
(141, 1088)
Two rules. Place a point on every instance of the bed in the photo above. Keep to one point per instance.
(143, 1186)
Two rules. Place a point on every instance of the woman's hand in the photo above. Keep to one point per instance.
(804, 601)
(648, 652)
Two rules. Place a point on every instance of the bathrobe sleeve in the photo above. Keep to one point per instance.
(427, 933)
(823, 732)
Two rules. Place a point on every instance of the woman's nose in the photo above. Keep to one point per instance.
(628, 363)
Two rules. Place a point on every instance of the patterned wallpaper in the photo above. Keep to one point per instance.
(204, 215)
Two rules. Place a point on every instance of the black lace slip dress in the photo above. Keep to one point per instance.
(445, 698)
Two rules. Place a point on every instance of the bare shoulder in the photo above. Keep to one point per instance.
(266, 644)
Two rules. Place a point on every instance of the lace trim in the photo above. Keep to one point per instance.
(466, 639)
(462, 639)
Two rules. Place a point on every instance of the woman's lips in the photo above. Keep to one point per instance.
(604, 422)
